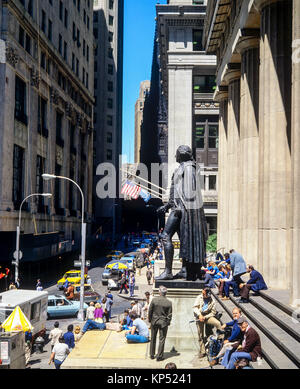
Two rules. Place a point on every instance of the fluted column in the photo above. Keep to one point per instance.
(295, 268)
(274, 251)
(222, 228)
(249, 148)
(232, 77)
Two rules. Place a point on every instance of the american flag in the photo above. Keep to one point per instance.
(131, 189)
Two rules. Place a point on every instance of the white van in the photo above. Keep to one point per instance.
(33, 303)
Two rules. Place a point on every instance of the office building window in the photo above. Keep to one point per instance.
(66, 18)
(61, 8)
(110, 103)
(197, 40)
(43, 22)
(88, 23)
(28, 44)
(77, 67)
(110, 69)
(109, 154)
(18, 176)
(74, 32)
(20, 101)
(87, 53)
(110, 86)
(43, 60)
(109, 120)
(40, 169)
(111, 20)
(213, 136)
(110, 36)
(42, 117)
(110, 52)
(65, 51)
(30, 7)
(83, 47)
(87, 81)
(84, 16)
(21, 36)
(59, 138)
(204, 84)
(49, 29)
(199, 136)
(109, 137)
(60, 44)
(73, 62)
(78, 5)
(83, 75)
(212, 182)
(57, 188)
(111, 4)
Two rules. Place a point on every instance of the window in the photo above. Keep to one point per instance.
(84, 16)
(88, 23)
(212, 182)
(204, 84)
(111, 4)
(110, 52)
(18, 176)
(213, 139)
(77, 67)
(21, 36)
(42, 117)
(73, 62)
(197, 40)
(43, 23)
(109, 137)
(199, 136)
(30, 7)
(110, 86)
(83, 47)
(35, 311)
(110, 103)
(60, 44)
(109, 154)
(87, 53)
(49, 29)
(57, 187)
(65, 51)
(83, 75)
(74, 32)
(109, 120)
(61, 7)
(95, 83)
(59, 119)
(40, 169)
(110, 69)
(78, 5)
(110, 36)
(66, 21)
(43, 60)
(87, 81)
(20, 101)
(28, 44)
(198, 2)
(111, 20)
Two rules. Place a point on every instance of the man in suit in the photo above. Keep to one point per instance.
(250, 347)
(160, 316)
(255, 283)
(238, 266)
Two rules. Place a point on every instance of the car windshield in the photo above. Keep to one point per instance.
(72, 275)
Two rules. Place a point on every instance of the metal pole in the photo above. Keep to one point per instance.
(18, 254)
(83, 242)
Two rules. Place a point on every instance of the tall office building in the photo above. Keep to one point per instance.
(188, 85)
(108, 33)
(138, 118)
(46, 95)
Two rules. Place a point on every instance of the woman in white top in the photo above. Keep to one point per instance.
(59, 353)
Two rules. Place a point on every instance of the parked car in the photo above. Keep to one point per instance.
(73, 276)
(115, 253)
(90, 295)
(60, 306)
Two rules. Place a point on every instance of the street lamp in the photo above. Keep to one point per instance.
(83, 241)
(17, 258)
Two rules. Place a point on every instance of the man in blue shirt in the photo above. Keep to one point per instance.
(69, 337)
(139, 332)
(255, 283)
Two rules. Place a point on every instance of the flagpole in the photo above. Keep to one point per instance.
(140, 178)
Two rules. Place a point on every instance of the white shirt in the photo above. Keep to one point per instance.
(90, 312)
(54, 335)
(61, 350)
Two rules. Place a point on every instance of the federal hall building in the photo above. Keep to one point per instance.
(258, 88)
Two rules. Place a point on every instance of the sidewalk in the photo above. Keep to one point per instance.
(110, 349)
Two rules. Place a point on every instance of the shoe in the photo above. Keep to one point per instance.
(201, 355)
(213, 362)
(152, 357)
(160, 359)
(243, 301)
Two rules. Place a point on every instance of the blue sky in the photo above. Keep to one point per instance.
(139, 27)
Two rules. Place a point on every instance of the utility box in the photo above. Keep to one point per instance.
(12, 350)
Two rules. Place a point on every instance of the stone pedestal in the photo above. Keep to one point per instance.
(182, 332)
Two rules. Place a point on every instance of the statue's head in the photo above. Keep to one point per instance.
(184, 153)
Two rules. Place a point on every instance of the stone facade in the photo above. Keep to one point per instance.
(138, 115)
(188, 85)
(108, 32)
(39, 81)
(258, 90)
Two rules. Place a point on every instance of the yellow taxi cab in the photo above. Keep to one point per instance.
(73, 276)
(115, 253)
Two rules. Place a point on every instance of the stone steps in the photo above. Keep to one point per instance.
(279, 335)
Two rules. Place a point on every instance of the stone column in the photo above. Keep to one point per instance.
(274, 251)
(180, 109)
(232, 77)
(249, 148)
(222, 229)
(295, 268)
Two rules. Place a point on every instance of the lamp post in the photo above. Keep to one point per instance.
(19, 229)
(83, 241)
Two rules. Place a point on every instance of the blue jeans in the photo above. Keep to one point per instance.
(234, 285)
(136, 338)
(93, 325)
(131, 288)
(57, 363)
(235, 357)
(208, 281)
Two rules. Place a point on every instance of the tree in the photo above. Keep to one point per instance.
(211, 244)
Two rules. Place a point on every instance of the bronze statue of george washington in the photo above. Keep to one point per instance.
(186, 218)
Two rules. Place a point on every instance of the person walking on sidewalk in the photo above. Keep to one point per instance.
(149, 275)
(69, 337)
(59, 353)
(123, 285)
(160, 316)
(55, 334)
(131, 284)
